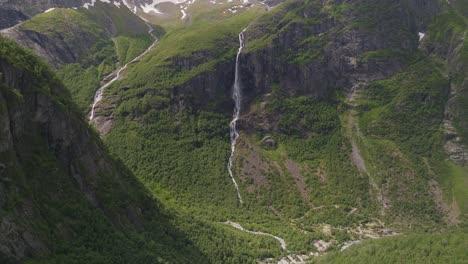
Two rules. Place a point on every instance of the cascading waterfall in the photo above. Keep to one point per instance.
(99, 93)
(236, 96)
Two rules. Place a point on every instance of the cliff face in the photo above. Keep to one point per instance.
(42, 137)
(56, 49)
(312, 48)
(446, 40)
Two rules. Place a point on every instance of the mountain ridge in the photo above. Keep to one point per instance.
(351, 127)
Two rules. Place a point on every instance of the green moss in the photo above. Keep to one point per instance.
(62, 22)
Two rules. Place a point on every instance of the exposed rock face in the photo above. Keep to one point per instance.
(268, 142)
(340, 61)
(57, 50)
(210, 86)
(344, 55)
(455, 122)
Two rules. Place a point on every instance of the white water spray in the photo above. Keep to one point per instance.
(100, 91)
(236, 96)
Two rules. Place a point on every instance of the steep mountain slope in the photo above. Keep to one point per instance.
(341, 121)
(352, 124)
(63, 198)
(85, 44)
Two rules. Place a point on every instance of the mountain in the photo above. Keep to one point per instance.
(85, 45)
(61, 192)
(271, 132)
(14, 12)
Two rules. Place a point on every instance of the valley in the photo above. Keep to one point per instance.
(235, 131)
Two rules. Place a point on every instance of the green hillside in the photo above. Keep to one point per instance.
(353, 127)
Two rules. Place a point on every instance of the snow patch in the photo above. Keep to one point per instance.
(176, 2)
(48, 10)
(93, 2)
(234, 9)
(183, 14)
(117, 4)
(127, 4)
(88, 5)
(148, 8)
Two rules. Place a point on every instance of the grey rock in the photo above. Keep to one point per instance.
(268, 142)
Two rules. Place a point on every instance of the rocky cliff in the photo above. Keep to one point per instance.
(311, 48)
(446, 40)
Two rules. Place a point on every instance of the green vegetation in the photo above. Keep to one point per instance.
(62, 22)
(38, 72)
(129, 48)
(171, 130)
(446, 34)
(87, 31)
(180, 154)
(402, 140)
(318, 22)
(82, 83)
(420, 248)
(206, 42)
(59, 213)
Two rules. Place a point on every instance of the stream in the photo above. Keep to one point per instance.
(238, 226)
(100, 91)
(237, 97)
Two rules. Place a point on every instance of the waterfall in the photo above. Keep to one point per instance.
(100, 91)
(236, 96)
